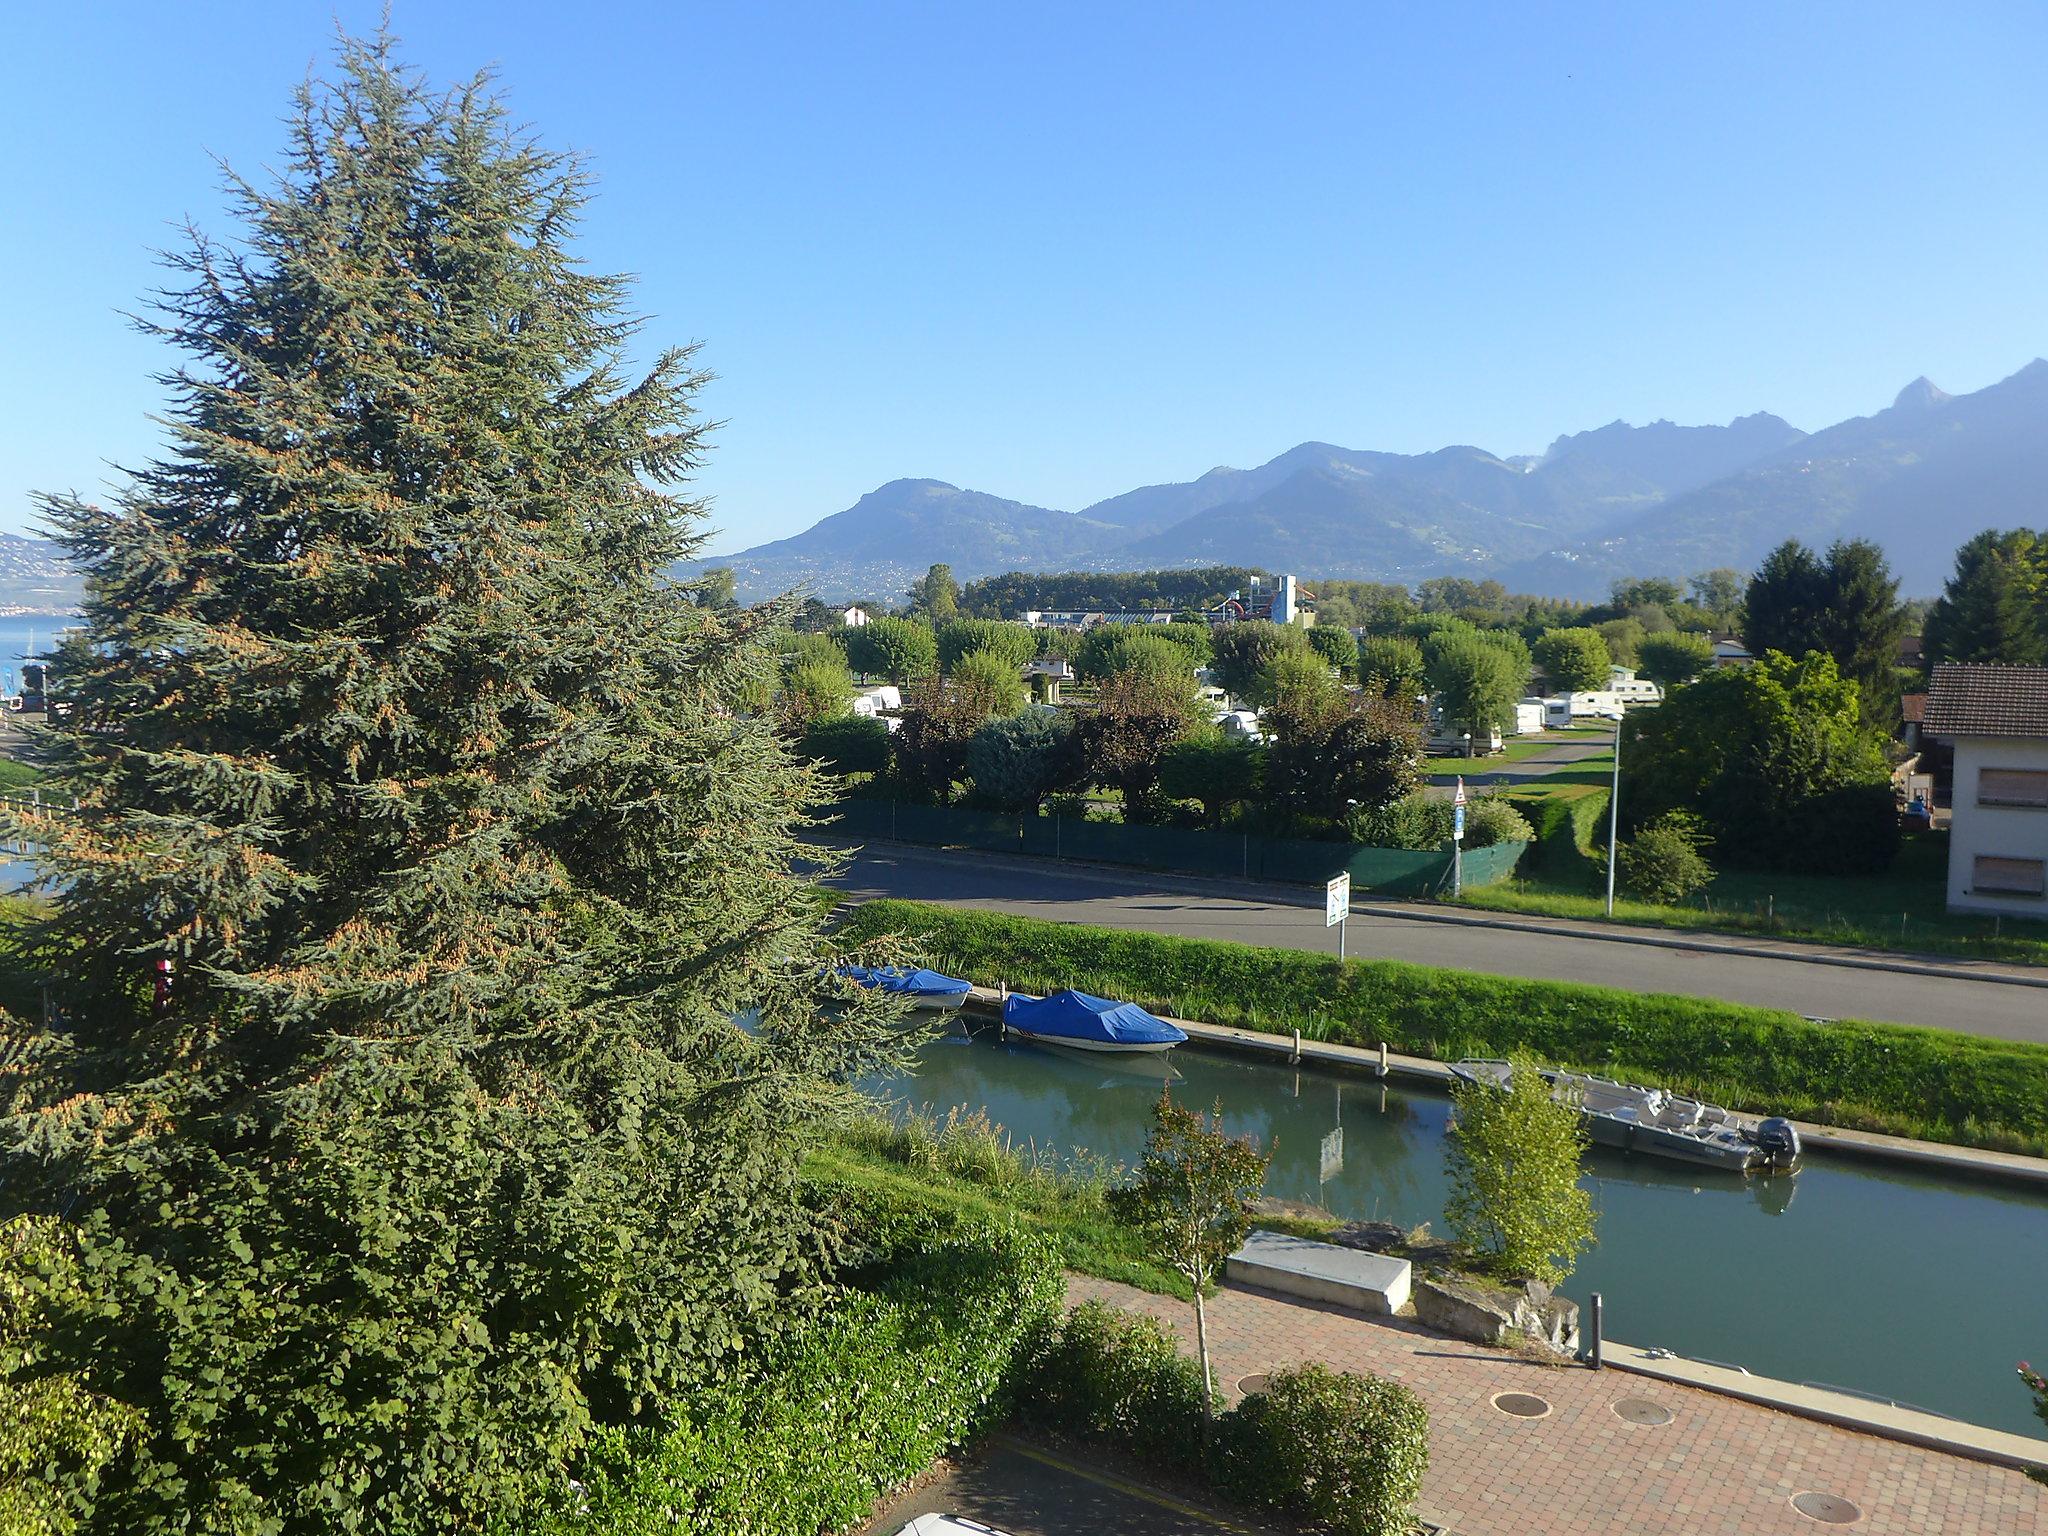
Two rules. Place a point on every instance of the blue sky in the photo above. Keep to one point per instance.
(1055, 251)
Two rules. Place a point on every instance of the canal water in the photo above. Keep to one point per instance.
(1917, 1288)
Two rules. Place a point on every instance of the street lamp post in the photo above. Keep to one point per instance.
(1468, 746)
(1614, 811)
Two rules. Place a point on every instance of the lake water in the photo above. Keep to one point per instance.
(1913, 1287)
(21, 636)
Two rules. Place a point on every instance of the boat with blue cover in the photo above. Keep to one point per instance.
(925, 989)
(1087, 1023)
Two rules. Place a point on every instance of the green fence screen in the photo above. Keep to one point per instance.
(1292, 861)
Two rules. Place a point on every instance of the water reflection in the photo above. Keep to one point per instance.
(1874, 1277)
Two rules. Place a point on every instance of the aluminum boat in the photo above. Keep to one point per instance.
(1637, 1119)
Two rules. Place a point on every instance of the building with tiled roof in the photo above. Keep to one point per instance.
(1996, 718)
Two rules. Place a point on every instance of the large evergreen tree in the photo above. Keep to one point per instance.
(1995, 606)
(1785, 606)
(1844, 605)
(395, 1097)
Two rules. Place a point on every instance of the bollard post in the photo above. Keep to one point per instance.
(1383, 1058)
(1593, 1330)
(1296, 1057)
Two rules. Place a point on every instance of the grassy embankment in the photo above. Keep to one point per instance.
(1928, 1083)
(967, 1169)
(1901, 910)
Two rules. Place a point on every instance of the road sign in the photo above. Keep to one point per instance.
(1457, 822)
(1333, 1156)
(1337, 900)
(1459, 797)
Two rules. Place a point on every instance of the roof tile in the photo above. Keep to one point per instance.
(1983, 699)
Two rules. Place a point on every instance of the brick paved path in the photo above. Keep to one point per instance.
(1720, 1468)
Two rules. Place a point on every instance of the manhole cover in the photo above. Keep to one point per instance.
(1640, 1410)
(1523, 1405)
(1247, 1385)
(1826, 1508)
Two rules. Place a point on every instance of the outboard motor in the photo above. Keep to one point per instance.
(1778, 1139)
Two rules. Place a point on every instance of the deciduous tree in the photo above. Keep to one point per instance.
(1207, 766)
(1244, 651)
(1575, 660)
(935, 596)
(902, 650)
(1513, 1158)
(1678, 657)
(1192, 1201)
(1776, 759)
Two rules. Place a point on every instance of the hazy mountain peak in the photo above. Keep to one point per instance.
(1922, 394)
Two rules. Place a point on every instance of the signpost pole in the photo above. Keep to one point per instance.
(1458, 840)
(1613, 816)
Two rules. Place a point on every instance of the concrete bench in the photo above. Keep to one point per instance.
(1295, 1266)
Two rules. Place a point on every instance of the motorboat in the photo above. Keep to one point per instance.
(1638, 1119)
(1085, 1023)
(924, 989)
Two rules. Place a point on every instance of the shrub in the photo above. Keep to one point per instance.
(1662, 862)
(848, 744)
(1417, 822)
(1345, 1451)
(1117, 1377)
(1017, 761)
(813, 691)
(866, 1395)
(1206, 765)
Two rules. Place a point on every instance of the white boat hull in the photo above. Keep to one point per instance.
(943, 1003)
(1102, 1047)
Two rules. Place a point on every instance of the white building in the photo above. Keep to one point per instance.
(1996, 718)
(853, 618)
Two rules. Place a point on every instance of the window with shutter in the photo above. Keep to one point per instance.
(2009, 877)
(2013, 786)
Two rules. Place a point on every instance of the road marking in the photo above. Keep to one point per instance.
(1118, 1485)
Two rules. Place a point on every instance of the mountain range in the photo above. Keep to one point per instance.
(1918, 477)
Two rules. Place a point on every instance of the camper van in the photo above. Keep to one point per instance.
(1562, 709)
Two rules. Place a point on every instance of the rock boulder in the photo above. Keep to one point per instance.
(1466, 1307)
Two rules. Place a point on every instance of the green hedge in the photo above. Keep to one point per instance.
(1568, 828)
(867, 1395)
(1116, 1378)
(1929, 1083)
(1345, 1451)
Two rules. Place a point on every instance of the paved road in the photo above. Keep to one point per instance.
(1020, 1489)
(1560, 754)
(1276, 916)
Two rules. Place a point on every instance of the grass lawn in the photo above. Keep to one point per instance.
(1902, 909)
(1517, 749)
